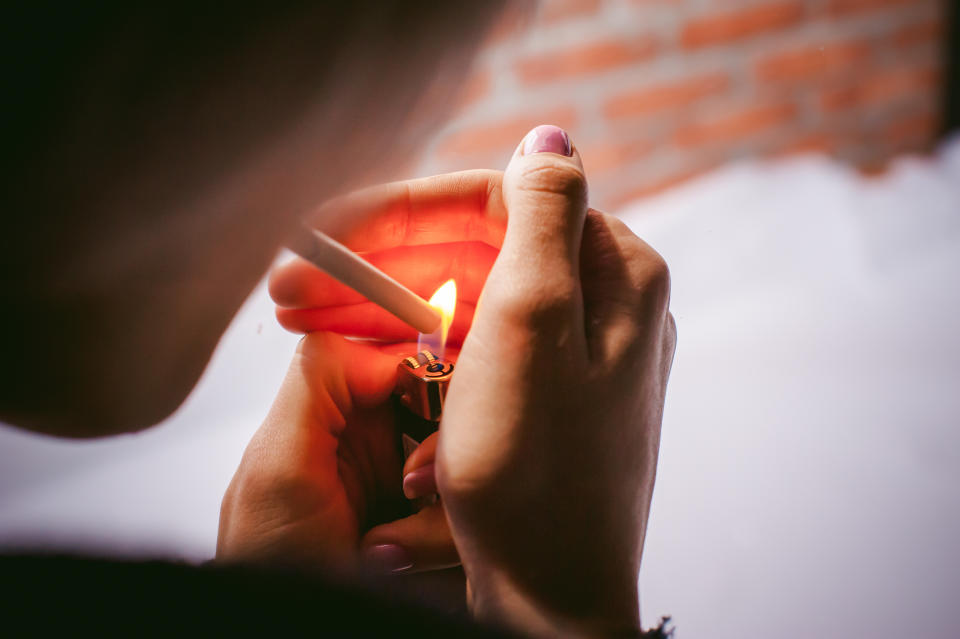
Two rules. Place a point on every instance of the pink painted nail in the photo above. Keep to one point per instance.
(420, 482)
(388, 558)
(547, 138)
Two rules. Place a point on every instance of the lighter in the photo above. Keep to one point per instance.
(422, 381)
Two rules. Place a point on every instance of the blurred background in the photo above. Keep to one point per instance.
(659, 91)
(793, 162)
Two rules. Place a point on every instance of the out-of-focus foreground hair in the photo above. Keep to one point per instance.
(116, 120)
(108, 88)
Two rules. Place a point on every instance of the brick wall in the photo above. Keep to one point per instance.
(656, 91)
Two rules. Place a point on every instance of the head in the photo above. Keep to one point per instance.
(157, 157)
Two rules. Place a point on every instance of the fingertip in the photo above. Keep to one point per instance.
(355, 320)
(546, 165)
(387, 558)
(422, 455)
(547, 138)
(424, 538)
(420, 482)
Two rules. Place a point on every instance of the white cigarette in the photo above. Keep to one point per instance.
(352, 270)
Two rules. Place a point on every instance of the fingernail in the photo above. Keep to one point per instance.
(388, 558)
(420, 482)
(547, 138)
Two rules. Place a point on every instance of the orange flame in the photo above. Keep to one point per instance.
(445, 301)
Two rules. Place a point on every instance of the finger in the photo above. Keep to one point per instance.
(369, 321)
(536, 276)
(464, 206)
(421, 456)
(398, 350)
(416, 543)
(421, 482)
(626, 285)
(422, 269)
(419, 475)
(353, 374)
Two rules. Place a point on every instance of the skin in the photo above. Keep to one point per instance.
(320, 479)
(574, 320)
(546, 456)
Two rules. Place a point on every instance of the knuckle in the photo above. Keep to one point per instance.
(670, 349)
(669, 340)
(658, 274)
(562, 179)
(645, 274)
(616, 226)
(649, 274)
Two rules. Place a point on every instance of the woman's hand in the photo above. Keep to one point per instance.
(320, 482)
(550, 434)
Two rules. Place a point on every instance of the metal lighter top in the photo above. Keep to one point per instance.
(422, 381)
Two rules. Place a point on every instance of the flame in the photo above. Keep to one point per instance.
(445, 301)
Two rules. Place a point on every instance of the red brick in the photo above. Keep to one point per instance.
(735, 25)
(848, 7)
(840, 98)
(557, 10)
(503, 135)
(874, 167)
(591, 58)
(667, 96)
(912, 35)
(916, 131)
(814, 62)
(883, 87)
(810, 142)
(732, 128)
(606, 156)
(854, 65)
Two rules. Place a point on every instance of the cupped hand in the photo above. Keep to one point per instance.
(320, 483)
(326, 486)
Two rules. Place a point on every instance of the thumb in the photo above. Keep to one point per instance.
(537, 273)
(545, 192)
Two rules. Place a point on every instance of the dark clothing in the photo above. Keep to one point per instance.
(43, 595)
(69, 596)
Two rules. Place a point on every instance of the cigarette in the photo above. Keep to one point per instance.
(350, 269)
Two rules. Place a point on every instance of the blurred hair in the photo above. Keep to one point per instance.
(155, 154)
(114, 93)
